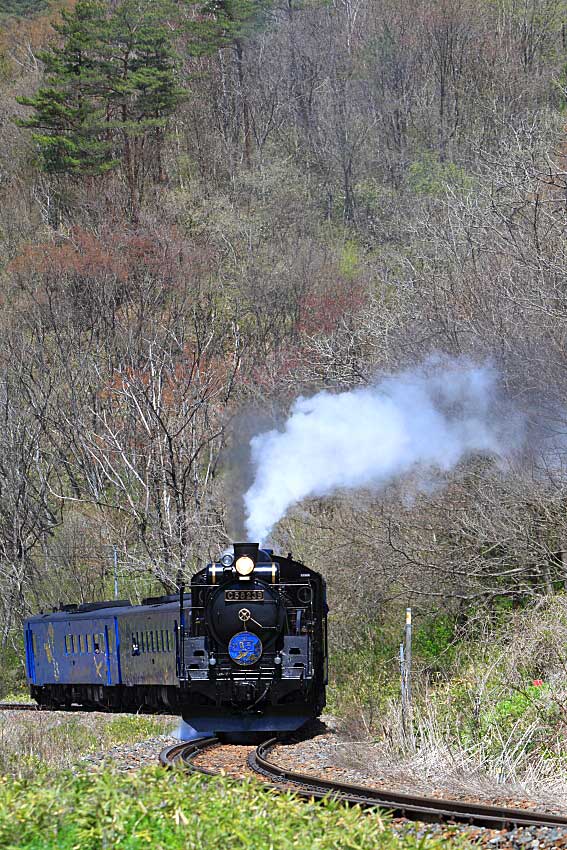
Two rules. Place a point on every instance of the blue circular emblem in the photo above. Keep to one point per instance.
(245, 648)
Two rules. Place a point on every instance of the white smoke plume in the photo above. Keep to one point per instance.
(419, 420)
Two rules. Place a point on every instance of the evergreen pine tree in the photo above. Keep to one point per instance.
(110, 89)
(69, 113)
(222, 23)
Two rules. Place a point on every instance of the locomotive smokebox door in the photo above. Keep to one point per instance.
(257, 609)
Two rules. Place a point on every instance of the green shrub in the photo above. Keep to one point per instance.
(12, 672)
(22, 8)
(434, 641)
(429, 176)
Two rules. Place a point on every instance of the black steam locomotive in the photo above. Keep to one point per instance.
(245, 650)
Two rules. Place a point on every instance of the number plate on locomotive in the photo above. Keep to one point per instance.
(244, 596)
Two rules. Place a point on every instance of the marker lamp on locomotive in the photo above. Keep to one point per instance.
(227, 560)
(244, 566)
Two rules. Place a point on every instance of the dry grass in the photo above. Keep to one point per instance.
(496, 729)
(32, 740)
(441, 766)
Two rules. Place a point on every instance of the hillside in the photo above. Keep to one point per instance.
(207, 211)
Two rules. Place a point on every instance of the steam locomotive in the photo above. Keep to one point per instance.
(243, 650)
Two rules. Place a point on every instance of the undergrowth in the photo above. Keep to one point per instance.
(28, 742)
(159, 810)
(488, 700)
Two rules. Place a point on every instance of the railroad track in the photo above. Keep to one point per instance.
(19, 706)
(427, 809)
(185, 752)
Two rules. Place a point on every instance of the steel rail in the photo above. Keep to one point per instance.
(184, 753)
(19, 706)
(429, 809)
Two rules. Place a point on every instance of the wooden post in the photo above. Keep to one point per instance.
(405, 676)
(403, 687)
(407, 655)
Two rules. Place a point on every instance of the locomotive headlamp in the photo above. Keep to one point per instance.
(244, 565)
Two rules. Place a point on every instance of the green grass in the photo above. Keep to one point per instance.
(156, 809)
(135, 727)
(365, 674)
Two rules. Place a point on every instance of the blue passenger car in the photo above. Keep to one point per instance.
(113, 655)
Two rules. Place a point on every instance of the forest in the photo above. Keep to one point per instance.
(211, 208)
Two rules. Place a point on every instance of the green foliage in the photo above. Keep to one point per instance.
(221, 22)
(12, 673)
(21, 8)
(364, 673)
(513, 707)
(429, 176)
(525, 717)
(16, 696)
(434, 640)
(162, 810)
(349, 264)
(368, 668)
(111, 85)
